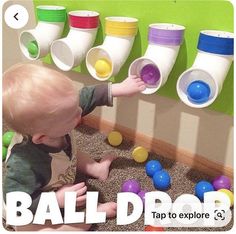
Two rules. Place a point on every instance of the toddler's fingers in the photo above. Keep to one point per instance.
(140, 82)
(138, 79)
(81, 200)
(142, 87)
(78, 186)
(81, 191)
(133, 76)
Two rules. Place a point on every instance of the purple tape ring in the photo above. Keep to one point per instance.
(171, 35)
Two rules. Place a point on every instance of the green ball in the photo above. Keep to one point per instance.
(33, 48)
(4, 153)
(6, 138)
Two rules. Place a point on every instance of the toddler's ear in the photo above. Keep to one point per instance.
(38, 138)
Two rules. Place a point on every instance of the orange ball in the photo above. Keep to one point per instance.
(150, 228)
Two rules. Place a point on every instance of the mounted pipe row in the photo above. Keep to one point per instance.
(197, 87)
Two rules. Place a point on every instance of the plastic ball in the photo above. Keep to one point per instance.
(152, 167)
(115, 138)
(103, 68)
(198, 92)
(132, 186)
(150, 74)
(7, 137)
(33, 48)
(150, 228)
(141, 194)
(229, 194)
(161, 180)
(4, 153)
(140, 154)
(203, 187)
(221, 182)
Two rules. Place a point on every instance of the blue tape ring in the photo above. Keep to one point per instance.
(216, 45)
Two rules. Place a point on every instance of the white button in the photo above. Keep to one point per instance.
(16, 16)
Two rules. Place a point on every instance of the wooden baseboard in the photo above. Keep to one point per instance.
(160, 147)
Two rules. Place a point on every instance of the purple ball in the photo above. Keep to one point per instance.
(132, 186)
(142, 195)
(221, 182)
(150, 74)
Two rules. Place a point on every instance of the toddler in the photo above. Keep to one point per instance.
(44, 108)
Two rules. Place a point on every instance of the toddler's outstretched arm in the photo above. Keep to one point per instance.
(128, 87)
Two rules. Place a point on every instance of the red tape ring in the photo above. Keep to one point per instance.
(83, 22)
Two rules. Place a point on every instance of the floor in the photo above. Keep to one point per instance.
(183, 178)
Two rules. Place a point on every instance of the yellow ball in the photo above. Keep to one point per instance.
(140, 154)
(229, 194)
(115, 138)
(103, 68)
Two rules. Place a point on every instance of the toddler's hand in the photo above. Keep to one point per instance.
(128, 87)
(80, 190)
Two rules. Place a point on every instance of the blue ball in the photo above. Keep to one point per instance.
(198, 91)
(161, 180)
(203, 187)
(152, 167)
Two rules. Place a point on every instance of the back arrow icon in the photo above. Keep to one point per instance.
(15, 16)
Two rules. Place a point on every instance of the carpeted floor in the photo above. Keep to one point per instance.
(183, 177)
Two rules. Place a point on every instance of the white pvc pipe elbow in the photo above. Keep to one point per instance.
(70, 51)
(156, 64)
(200, 85)
(106, 60)
(35, 43)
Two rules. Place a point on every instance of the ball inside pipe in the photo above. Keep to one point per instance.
(198, 91)
(150, 74)
(33, 49)
(103, 67)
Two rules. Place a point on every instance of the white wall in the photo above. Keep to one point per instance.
(203, 132)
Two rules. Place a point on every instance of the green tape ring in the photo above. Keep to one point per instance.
(51, 13)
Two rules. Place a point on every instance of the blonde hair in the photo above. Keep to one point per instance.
(33, 96)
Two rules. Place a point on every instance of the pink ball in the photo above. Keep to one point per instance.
(150, 74)
(221, 182)
(132, 186)
(142, 195)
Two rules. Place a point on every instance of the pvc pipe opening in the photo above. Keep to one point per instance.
(200, 85)
(68, 52)
(62, 55)
(106, 60)
(167, 26)
(84, 13)
(216, 42)
(29, 45)
(51, 8)
(121, 19)
(197, 88)
(154, 67)
(47, 13)
(35, 43)
(84, 19)
(149, 72)
(99, 63)
(121, 26)
(166, 34)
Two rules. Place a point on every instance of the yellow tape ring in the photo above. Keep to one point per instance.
(121, 26)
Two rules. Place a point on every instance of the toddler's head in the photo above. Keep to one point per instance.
(39, 100)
